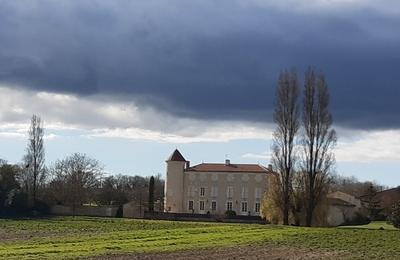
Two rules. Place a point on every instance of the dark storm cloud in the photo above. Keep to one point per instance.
(205, 59)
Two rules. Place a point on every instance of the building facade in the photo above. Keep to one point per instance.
(214, 188)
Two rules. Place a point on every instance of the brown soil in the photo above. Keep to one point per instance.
(248, 252)
(11, 236)
(23, 235)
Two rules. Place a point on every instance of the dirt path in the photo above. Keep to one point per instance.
(248, 252)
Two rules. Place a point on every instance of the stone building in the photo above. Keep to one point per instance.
(214, 188)
(342, 208)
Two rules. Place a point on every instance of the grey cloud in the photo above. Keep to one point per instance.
(204, 59)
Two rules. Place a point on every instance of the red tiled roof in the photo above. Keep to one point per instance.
(221, 167)
(386, 198)
(176, 156)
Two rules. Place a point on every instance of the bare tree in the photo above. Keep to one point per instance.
(34, 158)
(115, 190)
(298, 198)
(159, 192)
(286, 117)
(318, 140)
(352, 186)
(119, 189)
(76, 177)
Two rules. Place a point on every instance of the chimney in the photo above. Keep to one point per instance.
(270, 167)
(187, 164)
(227, 162)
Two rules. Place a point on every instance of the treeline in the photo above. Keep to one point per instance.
(354, 187)
(32, 187)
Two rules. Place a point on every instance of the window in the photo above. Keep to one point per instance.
(190, 204)
(202, 191)
(257, 207)
(229, 192)
(245, 193)
(213, 205)
(229, 205)
(244, 206)
(201, 205)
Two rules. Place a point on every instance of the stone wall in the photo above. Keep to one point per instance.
(134, 210)
(339, 215)
(203, 217)
(92, 211)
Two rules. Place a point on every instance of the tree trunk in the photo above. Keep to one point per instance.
(34, 184)
(310, 202)
(286, 214)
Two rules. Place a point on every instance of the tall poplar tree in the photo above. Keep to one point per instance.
(35, 158)
(318, 141)
(151, 194)
(287, 119)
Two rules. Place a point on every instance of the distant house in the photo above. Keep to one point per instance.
(344, 208)
(214, 188)
(385, 199)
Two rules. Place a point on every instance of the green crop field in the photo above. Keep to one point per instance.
(68, 237)
(374, 225)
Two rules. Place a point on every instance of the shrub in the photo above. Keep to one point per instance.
(394, 217)
(230, 213)
(20, 202)
(270, 204)
(42, 207)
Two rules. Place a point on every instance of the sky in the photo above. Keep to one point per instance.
(127, 82)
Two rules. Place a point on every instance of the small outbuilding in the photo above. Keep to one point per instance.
(342, 208)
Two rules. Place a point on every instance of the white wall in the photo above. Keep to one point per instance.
(194, 181)
(174, 186)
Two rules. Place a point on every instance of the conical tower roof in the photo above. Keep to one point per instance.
(176, 156)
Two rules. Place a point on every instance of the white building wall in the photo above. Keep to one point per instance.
(247, 187)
